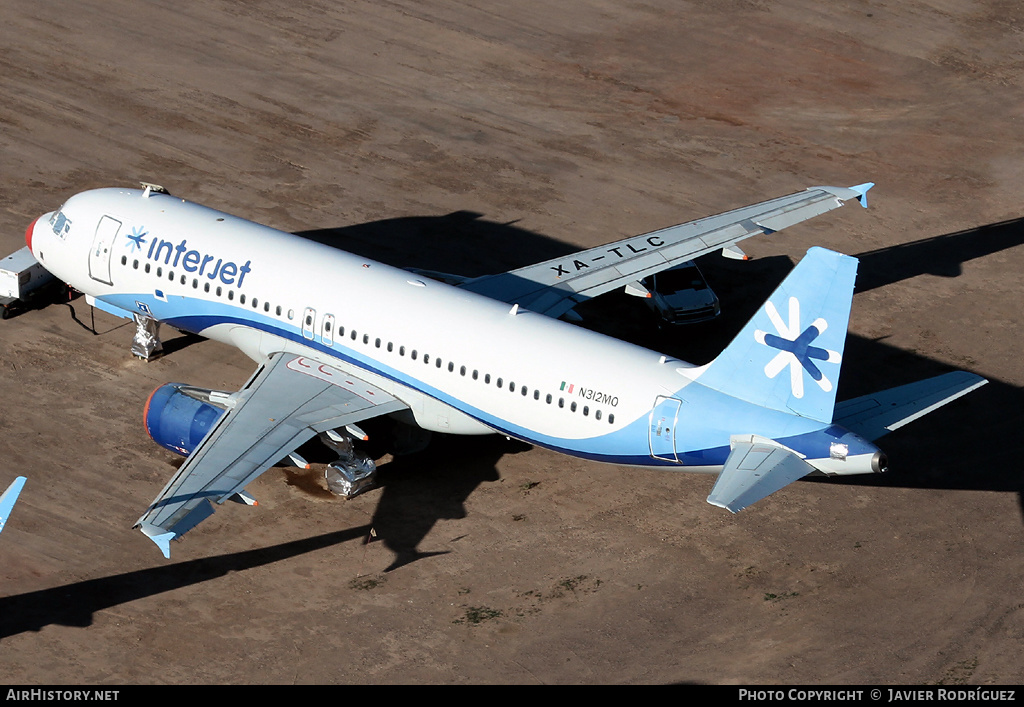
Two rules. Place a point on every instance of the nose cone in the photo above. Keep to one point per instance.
(28, 234)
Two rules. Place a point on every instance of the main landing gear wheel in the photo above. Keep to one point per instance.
(353, 472)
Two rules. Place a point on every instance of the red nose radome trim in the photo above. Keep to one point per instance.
(28, 235)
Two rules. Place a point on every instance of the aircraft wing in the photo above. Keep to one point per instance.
(872, 416)
(754, 470)
(8, 498)
(556, 286)
(287, 401)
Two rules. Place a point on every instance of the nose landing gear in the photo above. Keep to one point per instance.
(146, 342)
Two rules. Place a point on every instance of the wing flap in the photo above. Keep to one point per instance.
(872, 416)
(287, 401)
(785, 219)
(754, 470)
(723, 236)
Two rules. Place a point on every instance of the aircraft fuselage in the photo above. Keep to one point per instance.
(462, 362)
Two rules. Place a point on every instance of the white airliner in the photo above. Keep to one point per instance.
(340, 339)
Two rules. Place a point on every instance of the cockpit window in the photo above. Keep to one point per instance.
(61, 224)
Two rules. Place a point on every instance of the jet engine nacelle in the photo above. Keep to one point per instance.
(178, 416)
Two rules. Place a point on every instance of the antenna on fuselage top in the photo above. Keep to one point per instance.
(150, 188)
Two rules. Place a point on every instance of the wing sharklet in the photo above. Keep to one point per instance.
(158, 536)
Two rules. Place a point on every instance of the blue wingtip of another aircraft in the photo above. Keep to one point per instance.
(8, 498)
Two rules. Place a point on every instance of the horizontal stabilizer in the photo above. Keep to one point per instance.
(872, 416)
(8, 498)
(754, 470)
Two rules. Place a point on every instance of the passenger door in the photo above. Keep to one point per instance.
(102, 249)
(664, 417)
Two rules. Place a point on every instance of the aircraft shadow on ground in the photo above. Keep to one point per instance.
(943, 256)
(418, 491)
(421, 489)
(76, 604)
(463, 243)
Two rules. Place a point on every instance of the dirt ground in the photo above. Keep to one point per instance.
(476, 137)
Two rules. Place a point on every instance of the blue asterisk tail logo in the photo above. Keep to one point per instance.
(137, 238)
(795, 349)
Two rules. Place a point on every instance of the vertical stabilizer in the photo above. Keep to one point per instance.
(788, 355)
